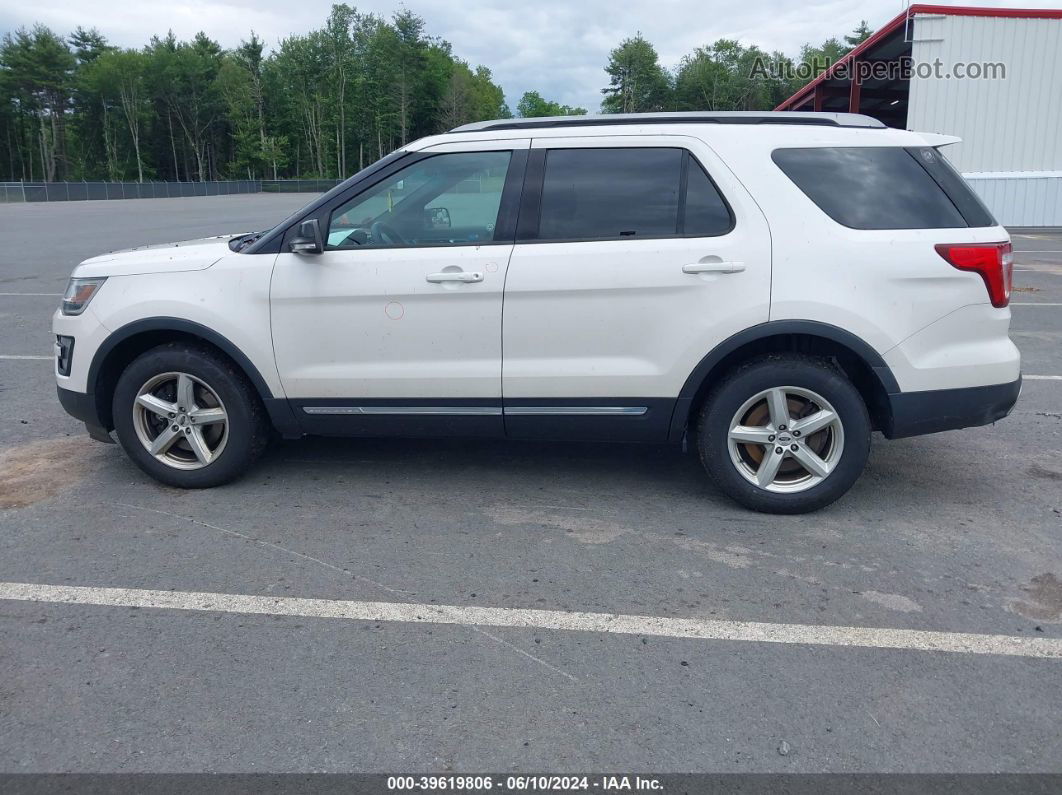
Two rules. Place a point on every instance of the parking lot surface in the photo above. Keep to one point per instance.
(951, 533)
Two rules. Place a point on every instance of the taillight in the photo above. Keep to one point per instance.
(994, 261)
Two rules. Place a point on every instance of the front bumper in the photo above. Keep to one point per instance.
(83, 407)
(916, 413)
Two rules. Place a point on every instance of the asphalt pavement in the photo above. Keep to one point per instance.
(950, 533)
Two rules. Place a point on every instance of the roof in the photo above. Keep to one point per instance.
(901, 20)
(721, 117)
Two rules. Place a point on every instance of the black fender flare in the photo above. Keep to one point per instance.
(774, 328)
(279, 411)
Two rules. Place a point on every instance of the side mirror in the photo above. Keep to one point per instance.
(308, 239)
(437, 217)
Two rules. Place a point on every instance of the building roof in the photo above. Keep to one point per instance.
(899, 23)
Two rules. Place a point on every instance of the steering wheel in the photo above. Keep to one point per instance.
(383, 233)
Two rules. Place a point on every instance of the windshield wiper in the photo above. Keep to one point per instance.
(241, 242)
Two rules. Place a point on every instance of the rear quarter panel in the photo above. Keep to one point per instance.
(882, 285)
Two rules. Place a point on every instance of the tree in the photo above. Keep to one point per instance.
(38, 73)
(117, 77)
(730, 76)
(183, 78)
(242, 82)
(532, 104)
(859, 35)
(637, 81)
(470, 96)
(318, 103)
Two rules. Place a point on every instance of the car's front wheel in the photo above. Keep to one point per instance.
(188, 417)
(784, 434)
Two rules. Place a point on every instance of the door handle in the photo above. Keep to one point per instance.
(714, 267)
(454, 276)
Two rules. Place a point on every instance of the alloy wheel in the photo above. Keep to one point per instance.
(180, 420)
(785, 439)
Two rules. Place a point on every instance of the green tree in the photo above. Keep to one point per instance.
(118, 79)
(532, 104)
(729, 76)
(183, 79)
(637, 81)
(38, 68)
(859, 35)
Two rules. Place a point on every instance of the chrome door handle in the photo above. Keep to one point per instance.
(454, 276)
(714, 267)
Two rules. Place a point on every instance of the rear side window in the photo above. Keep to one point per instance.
(952, 183)
(605, 194)
(707, 214)
(883, 187)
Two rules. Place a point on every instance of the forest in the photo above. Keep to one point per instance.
(319, 104)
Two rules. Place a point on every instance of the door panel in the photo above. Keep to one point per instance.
(626, 319)
(414, 325)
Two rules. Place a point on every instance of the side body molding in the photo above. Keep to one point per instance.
(776, 328)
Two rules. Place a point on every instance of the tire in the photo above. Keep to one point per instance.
(197, 447)
(803, 468)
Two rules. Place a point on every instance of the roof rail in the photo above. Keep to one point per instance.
(695, 117)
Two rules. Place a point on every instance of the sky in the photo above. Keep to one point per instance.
(556, 47)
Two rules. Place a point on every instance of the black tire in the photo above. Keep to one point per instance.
(247, 430)
(816, 375)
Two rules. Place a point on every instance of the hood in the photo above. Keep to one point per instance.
(187, 255)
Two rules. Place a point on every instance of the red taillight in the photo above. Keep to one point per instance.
(993, 261)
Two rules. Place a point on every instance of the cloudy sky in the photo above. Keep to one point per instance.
(558, 47)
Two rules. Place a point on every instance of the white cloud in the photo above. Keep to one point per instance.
(558, 47)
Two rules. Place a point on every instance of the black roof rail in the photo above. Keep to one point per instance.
(694, 117)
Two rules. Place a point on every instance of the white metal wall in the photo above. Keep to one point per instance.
(1028, 198)
(1009, 125)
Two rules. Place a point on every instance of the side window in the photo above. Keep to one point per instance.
(867, 187)
(605, 194)
(707, 213)
(447, 199)
(599, 194)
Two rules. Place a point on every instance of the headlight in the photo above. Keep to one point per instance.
(78, 294)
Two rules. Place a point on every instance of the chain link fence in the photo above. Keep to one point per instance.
(92, 191)
(297, 185)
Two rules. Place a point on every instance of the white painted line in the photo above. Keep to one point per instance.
(1042, 377)
(689, 628)
(1033, 303)
(1037, 251)
(15, 356)
(49, 295)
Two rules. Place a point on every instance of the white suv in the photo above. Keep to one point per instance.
(770, 286)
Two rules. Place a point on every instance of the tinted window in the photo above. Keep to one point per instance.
(870, 187)
(450, 199)
(598, 194)
(707, 215)
(610, 193)
(958, 190)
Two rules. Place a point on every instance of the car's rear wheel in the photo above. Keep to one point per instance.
(188, 417)
(784, 434)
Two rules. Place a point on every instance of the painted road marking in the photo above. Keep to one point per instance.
(16, 356)
(687, 628)
(49, 295)
(1042, 377)
(1032, 303)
